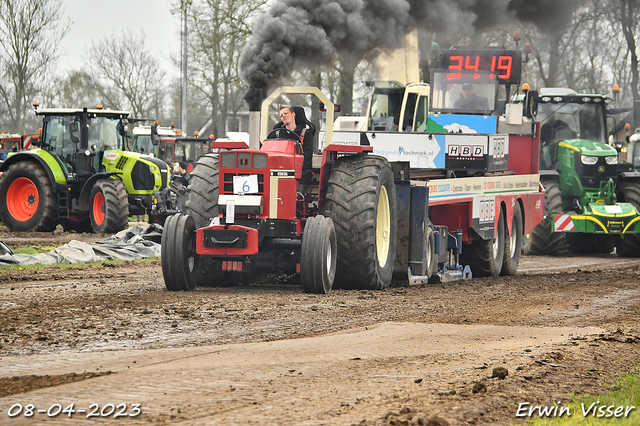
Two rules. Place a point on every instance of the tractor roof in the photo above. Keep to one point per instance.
(146, 130)
(93, 111)
(563, 94)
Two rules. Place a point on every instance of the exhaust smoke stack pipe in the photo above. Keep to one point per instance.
(254, 129)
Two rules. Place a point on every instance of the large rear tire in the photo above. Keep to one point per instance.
(513, 244)
(27, 201)
(629, 244)
(202, 193)
(180, 262)
(543, 241)
(361, 201)
(318, 255)
(485, 257)
(109, 211)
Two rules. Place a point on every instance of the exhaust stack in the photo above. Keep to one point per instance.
(254, 129)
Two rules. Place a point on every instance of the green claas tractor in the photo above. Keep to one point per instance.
(80, 176)
(591, 205)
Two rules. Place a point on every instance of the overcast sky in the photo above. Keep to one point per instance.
(97, 19)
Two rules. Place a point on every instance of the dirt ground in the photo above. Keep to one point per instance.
(457, 353)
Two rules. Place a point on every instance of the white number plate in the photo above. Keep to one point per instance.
(245, 184)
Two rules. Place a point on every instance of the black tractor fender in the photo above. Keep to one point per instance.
(28, 156)
(84, 203)
(628, 176)
(549, 175)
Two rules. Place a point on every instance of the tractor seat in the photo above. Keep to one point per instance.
(301, 120)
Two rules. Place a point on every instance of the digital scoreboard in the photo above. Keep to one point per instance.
(505, 65)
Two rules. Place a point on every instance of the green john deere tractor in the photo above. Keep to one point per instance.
(590, 205)
(79, 176)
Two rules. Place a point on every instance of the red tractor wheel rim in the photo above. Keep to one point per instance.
(22, 199)
(98, 208)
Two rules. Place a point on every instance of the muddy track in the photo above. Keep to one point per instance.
(243, 354)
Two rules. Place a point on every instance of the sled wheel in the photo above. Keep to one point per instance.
(431, 257)
(513, 244)
(485, 257)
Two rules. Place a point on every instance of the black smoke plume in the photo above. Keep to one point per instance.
(307, 33)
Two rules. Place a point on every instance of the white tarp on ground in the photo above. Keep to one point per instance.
(136, 242)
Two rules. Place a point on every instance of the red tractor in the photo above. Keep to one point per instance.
(404, 214)
(243, 214)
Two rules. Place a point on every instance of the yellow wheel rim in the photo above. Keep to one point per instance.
(383, 227)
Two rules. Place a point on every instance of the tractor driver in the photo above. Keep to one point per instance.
(288, 117)
(551, 132)
(469, 100)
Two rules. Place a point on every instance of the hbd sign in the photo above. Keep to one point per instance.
(465, 150)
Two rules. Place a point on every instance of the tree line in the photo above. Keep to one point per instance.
(593, 50)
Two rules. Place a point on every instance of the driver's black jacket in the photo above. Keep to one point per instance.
(307, 150)
(547, 129)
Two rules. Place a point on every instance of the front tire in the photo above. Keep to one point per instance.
(361, 201)
(318, 255)
(201, 204)
(109, 211)
(180, 262)
(629, 244)
(27, 201)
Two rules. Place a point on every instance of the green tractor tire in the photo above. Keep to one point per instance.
(543, 241)
(27, 200)
(629, 244)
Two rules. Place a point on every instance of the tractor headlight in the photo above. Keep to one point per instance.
(611, 160)
(589, 160)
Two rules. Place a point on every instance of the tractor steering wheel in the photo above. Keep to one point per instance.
(562, 133)
(288, 135)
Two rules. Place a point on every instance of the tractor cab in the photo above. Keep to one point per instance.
(78, 139)
(396, 107)
(171, 149)
(142, 140)
(566, 116)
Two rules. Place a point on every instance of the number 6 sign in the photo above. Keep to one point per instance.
(245, 184)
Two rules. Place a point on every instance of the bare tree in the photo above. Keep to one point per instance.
(625, 14)
(30, 33)
(76, 89)
(219, 32)
(124, 65)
